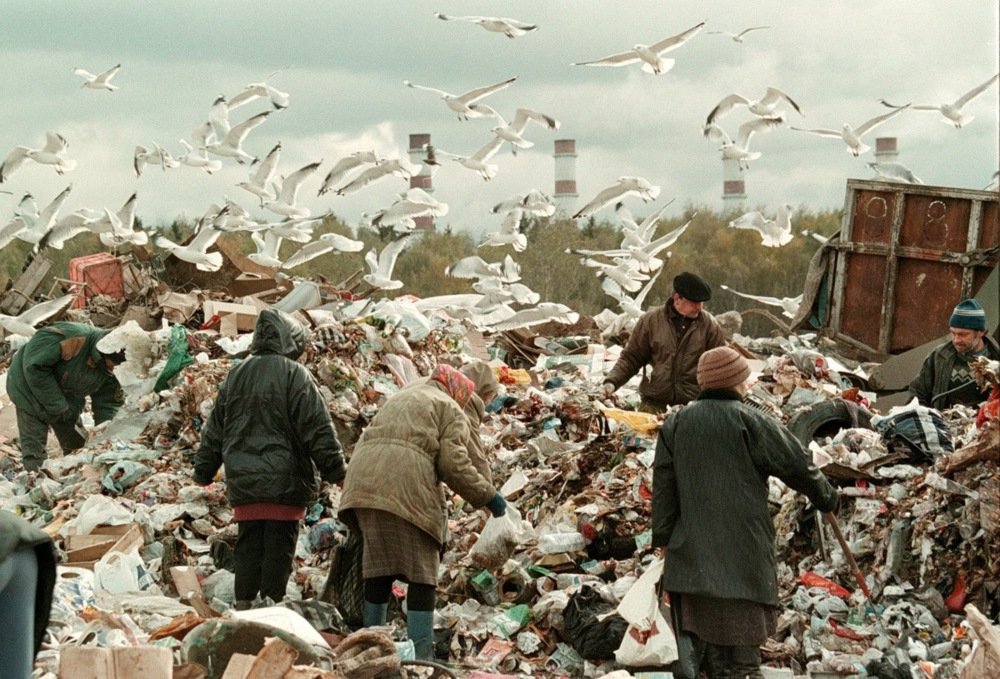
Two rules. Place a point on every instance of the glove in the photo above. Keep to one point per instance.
(497, 505)
(67, 416)
(609, 388)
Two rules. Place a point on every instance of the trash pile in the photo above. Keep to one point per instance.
(145, 554)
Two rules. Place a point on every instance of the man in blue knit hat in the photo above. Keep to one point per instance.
(945, 379)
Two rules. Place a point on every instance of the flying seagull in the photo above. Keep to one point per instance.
(328, 242)
(737, 37)
(24, 323)
(415, 202)
(380, 265)
(231, 145)
(513, 130)
(38, 225)
(764, 107)
(101, 81)
(509, 233)
(53, 153)
(397, 167)
(650, 55)
(789, 305)
(479, 161)
(896, 172)
(533, 203)
(196, 252)
(465, 104)
(542, 313)
(512, 28)
(852, 136)
(279, 99)
(625, 186)
(155, 156)
(739, 150)
(259, 181)
(952, 113)
(193, 157)
(773, 232)
(345, 165)
(286, 204)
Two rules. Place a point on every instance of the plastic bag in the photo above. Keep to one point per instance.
(118, 572)
(499, 538)
(649, 639)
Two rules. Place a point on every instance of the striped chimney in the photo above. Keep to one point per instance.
(886, 150)
(733, 185)
(565, 194)
(420, 146)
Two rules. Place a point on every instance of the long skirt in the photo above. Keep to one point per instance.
(394, 546)
(727, 622)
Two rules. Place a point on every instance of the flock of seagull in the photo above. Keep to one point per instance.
(499, 301)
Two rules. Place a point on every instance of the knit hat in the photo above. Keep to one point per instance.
(968, 314)
(722, 368)
(692, 287)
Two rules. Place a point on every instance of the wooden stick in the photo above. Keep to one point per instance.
(832, 520)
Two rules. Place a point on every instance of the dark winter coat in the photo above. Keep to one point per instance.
(935, 378)
(16, 533)
(270, 425)
(710, 491)
(673, 379)
(52, 375)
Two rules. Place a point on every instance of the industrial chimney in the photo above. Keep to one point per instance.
(733, 186)
(886, 150)
(420, 148)
(565, 194)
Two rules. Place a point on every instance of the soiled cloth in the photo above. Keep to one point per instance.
(394, 546)
(727, 622)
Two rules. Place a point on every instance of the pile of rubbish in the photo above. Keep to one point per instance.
(145, 553)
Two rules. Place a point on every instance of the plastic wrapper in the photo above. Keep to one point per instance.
(500, 536)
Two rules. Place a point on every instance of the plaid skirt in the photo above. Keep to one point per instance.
(394, 546)
(727, 622)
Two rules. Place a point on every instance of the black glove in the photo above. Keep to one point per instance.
(497, 505)
(67, 416)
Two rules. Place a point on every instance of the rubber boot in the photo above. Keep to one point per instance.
(420, 629)
(242, 605)
(373, 615)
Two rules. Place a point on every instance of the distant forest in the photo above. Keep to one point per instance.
(721, 255)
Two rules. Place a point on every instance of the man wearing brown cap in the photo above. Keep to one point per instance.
(710, 517)
(669, 339)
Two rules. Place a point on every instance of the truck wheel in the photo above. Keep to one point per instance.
(827, 418)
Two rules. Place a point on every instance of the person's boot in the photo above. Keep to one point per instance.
(373, 615)
(420, 629)
(242, 605)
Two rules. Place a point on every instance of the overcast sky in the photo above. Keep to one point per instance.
(344, 63)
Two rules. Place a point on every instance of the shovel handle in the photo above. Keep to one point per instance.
(832, 520)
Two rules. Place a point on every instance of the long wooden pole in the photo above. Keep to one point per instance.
(832, 520)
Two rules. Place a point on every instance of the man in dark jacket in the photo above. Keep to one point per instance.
(271, 430)
(945, 379)
(710, 513)
(670, 339)
(49, 381)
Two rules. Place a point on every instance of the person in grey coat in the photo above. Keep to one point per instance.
(710, 515)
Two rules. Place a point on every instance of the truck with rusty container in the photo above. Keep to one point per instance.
(884, 286)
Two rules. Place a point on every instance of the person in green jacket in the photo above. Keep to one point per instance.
(710, 517)
(271, 430)
(27, 580)
(49, 381)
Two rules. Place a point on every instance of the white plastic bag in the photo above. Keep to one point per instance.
(118, 572)
(649, 639)
(499, 538)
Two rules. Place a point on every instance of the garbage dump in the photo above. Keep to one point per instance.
(902, 582)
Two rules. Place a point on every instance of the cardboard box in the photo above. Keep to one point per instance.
(102, 275)
(234, 318)
(83, 551)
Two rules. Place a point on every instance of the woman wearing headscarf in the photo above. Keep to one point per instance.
(418, 440)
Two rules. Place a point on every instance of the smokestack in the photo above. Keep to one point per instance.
(885, 150)
(420, 149)
(565, 194)
(733, 185)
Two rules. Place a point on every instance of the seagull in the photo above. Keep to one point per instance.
(512, 28)
(621, 272)
(285, 204)
(740, 149)
(789, 305)
(495, 293)
(952, 113)
(415, 202)
(852, 136)
(895, 172)
(737, 37)
(231, 145)
(259, 180)
(53, 153)
(268, 247)
(328, 242)
(639, 235)
(533, 203)
(17, 223)
(24, 323)
(512, 131)
(509, 233)
(380, 265)
(651, 55)
(196, 252)
(345, 165)
(39, 224)
(764, 107)
(67, 228)
(773, 232)
(625, 186)
(479, 161)
(101, 81)
(118, 228)
(643, 256)
(473, 266)
(820, 238)
(279, 99)
(398, 167)
(465, 104)
(632, 307)
(157, 156)
(197, 158)
(541, 313)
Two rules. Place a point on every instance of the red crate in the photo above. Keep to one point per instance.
(102, 274)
